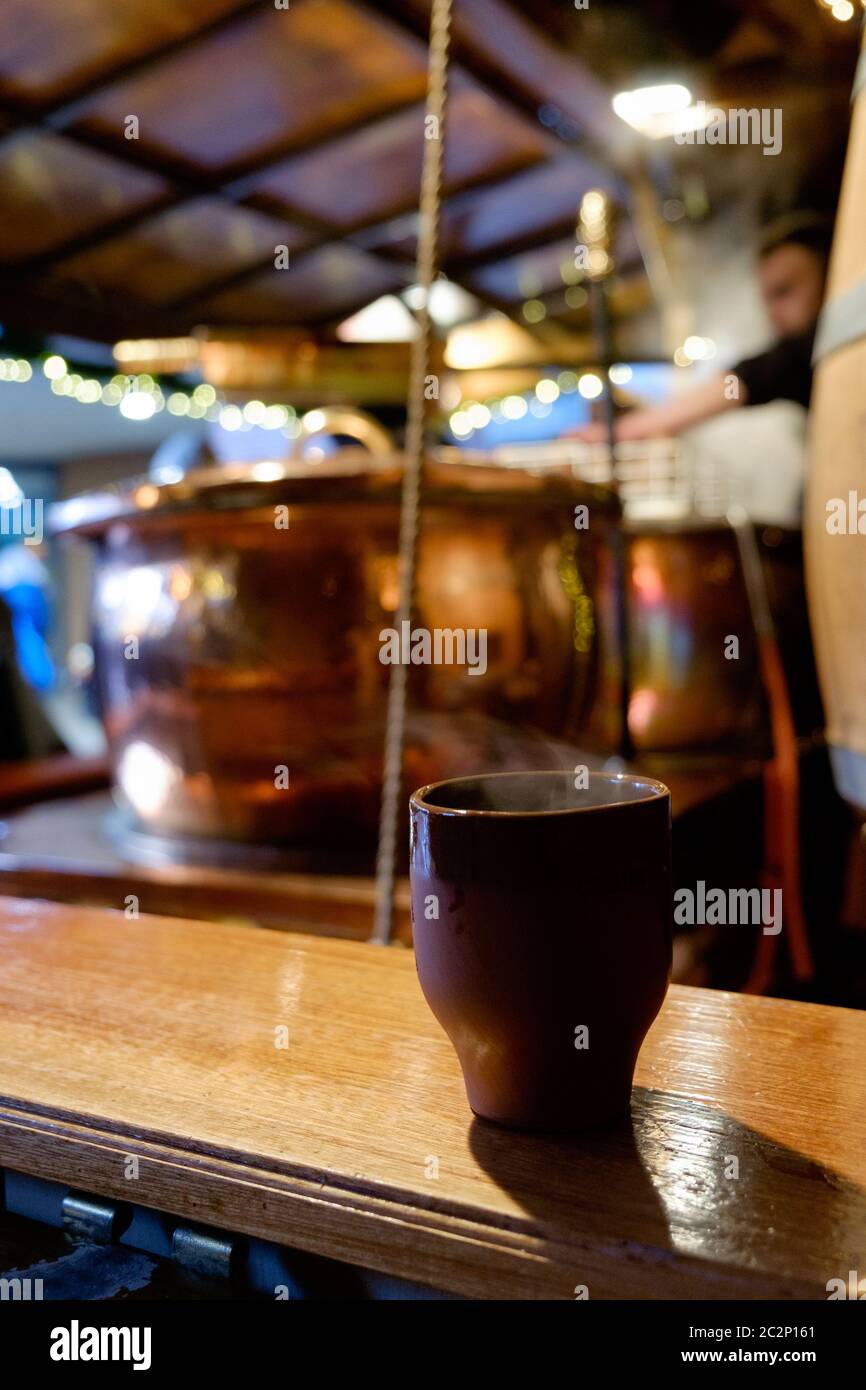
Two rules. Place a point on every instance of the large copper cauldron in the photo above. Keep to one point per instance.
(237, 622)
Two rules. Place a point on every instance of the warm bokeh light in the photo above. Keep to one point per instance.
(137, 405)
(54, 367)
(547, 391)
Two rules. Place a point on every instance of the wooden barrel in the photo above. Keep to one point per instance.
(835, 526)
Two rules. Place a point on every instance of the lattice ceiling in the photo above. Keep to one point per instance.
(303, 127)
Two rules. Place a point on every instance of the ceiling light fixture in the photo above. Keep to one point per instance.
(661, 111)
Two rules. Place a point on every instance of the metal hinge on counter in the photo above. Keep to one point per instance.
(99, 1221)
(93, 1220)
(212, 1256)
(108, 1242)
(117, 1246)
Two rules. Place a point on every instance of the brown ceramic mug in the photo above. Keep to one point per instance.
(541, 915)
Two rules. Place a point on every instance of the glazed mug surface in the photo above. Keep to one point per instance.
(541, 911)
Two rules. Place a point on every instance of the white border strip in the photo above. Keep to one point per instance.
(842, 321)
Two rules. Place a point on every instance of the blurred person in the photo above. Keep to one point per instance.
(25, 588)
(793, 256)
(26, 669)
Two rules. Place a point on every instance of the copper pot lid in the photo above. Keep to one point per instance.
(352, 475)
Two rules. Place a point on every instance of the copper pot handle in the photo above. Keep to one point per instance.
(337, 419)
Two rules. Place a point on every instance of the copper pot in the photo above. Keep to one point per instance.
(237, 619)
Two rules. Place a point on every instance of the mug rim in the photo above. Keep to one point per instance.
(658, 792)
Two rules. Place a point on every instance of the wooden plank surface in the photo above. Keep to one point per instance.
(63, 850)
(42, 779)
(156, 1039)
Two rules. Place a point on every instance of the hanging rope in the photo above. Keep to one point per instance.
(390, 818)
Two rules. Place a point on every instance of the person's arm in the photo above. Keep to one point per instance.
(710, 398)
(784, 372)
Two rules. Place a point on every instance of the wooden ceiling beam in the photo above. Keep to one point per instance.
(65, 110)
(34, 308)
(510, 247)
(186, 183)
(233, 183)
(792, 23)
(237, 184)
(360, 235)
(559, 78)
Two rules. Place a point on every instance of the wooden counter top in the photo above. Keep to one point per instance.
(156, 1038)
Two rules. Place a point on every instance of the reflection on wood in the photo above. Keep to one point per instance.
(742, 1174)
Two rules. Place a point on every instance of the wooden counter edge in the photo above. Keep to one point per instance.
(466, 1254)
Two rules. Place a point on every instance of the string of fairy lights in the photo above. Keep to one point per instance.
(140, 396)
(471, 416)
